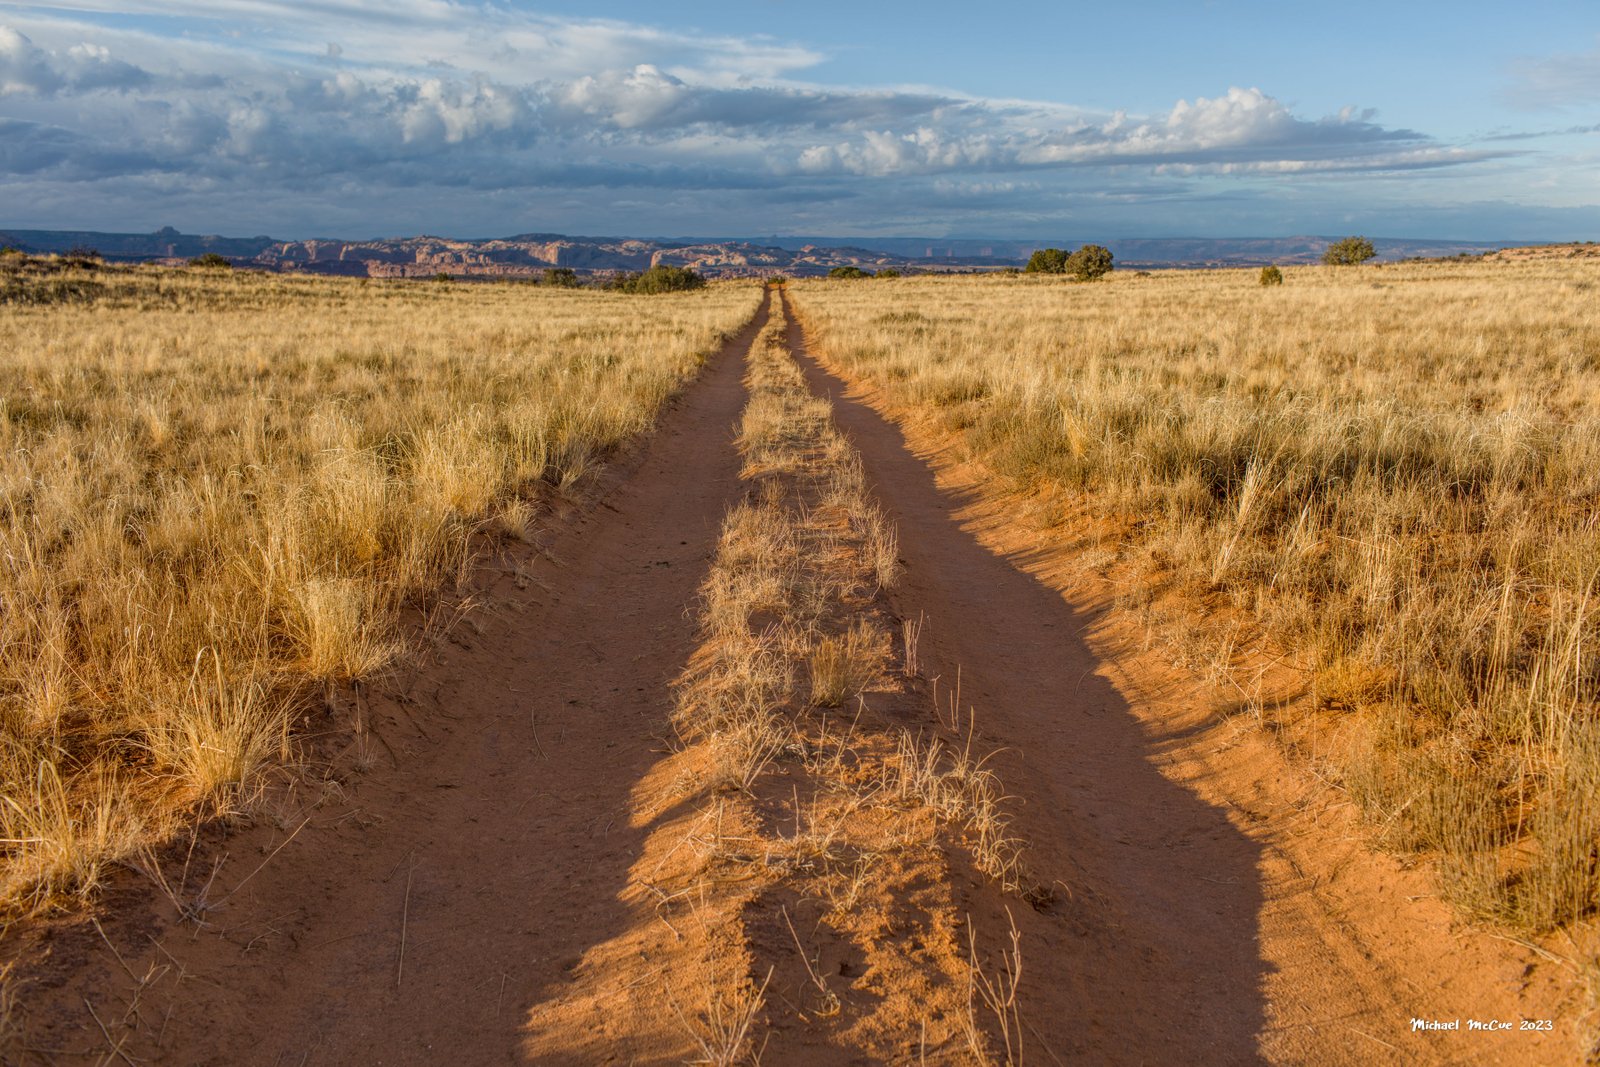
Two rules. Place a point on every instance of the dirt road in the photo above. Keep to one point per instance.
(490, 845)
(440, 905)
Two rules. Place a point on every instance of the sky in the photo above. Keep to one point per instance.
(367, 118)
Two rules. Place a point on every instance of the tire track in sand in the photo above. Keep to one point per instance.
(1197, 923)
(417, 918)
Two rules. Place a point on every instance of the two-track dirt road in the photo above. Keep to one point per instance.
(1217, 912)
(433, 907)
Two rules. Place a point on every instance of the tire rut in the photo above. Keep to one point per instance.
(1215, 912)
(424, 908)
(1151, 955)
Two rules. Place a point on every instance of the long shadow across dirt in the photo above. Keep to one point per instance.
(417, 920)
(1149, 953)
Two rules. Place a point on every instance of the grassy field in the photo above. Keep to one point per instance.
(219, 490)
(1385, 476)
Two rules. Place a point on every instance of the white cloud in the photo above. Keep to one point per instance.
(24, 68)
(437, 95)
(27, 70)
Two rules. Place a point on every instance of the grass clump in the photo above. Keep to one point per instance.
(843, 665)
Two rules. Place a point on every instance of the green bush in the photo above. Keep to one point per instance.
(1047, 261)
(776, 280)
(849, 272)
(561, 277)
(1271, 276)
(888, 272)
(211, 261)
(660, 279)
(441, 277)
(1348, 252)
(1089, 262)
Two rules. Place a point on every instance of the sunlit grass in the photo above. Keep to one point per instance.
(1392, 472)
(218, 491)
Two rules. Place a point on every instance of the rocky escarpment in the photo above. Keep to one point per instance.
(525, 255)
(532, 254)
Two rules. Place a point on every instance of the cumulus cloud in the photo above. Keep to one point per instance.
(26, 69)
(1245, 129)
(443, 94)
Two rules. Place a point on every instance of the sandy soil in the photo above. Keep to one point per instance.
(490, 837)
(473, 883)
(1224, 907)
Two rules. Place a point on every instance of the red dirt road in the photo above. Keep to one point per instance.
(449, 903)
(495, 841)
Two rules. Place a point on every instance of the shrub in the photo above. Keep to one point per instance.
(777, 279)
(1089, 262)
(1271, 276)
(849, 272)
(211, 261)
(1348, 252)
(661, 279)
(888, 272)
(442, 276)
(561, 277)
(1047, 261)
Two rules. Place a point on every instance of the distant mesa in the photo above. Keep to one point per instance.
(528, 255)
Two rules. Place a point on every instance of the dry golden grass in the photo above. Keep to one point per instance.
(832, 802)
(217, 492)
(1392, 474)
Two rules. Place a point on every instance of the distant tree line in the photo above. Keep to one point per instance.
(661, 279)
(853, 271)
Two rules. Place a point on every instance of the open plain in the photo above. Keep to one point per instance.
(994, 669)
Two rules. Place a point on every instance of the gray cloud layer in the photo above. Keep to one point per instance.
(431, 95)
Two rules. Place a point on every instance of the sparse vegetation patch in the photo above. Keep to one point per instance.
(783, 702)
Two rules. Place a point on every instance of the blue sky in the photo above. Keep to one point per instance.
(879, 117)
